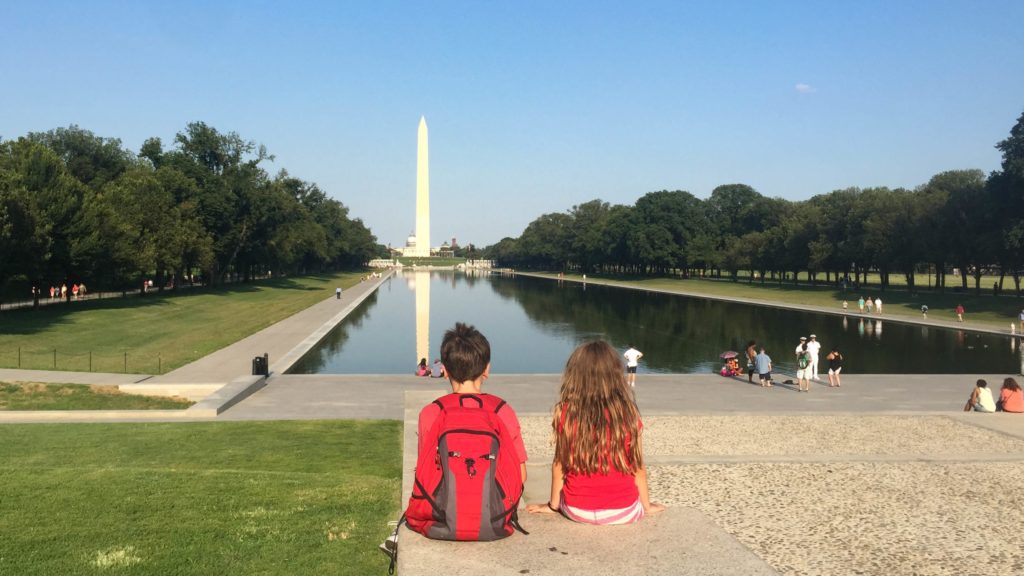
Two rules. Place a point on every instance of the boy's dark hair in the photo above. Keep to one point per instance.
(465, 353)
(982, 384)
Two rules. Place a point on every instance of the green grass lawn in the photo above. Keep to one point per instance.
(432, 261)
(40, 396)
(288, 498)
(984, 310)
(158, 332)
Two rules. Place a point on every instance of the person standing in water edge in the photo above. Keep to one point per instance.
(632, 357)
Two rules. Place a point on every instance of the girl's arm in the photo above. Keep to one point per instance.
(640, 477)
(551, 506)
(641, 484)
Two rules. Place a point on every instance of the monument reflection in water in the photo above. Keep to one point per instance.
(534, 324)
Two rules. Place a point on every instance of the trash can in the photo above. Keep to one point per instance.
(259, 365)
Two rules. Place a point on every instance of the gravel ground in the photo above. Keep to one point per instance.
(827, 494)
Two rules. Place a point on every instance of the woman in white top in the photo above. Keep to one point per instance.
(981, 398)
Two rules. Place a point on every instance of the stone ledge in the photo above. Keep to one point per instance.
(193, 392)
(227, 396)
(677, 541)
(92, 415)
(213, 404)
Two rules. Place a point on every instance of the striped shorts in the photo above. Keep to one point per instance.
(627, 515)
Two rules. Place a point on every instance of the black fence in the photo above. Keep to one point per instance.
(91, 361)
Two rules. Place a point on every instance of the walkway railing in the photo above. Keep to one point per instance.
(88, 361)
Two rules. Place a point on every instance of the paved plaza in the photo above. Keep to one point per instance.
(885, 475)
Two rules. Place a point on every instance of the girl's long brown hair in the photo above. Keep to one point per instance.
(601, 429)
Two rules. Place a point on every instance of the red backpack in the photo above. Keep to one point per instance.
(468, 487)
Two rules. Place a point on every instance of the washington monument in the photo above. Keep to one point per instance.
(422, 248)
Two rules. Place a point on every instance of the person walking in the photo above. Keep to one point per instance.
(878, 305)
(632, 357)
(959, 312)
(870, 304)
(924, 311)
(814, 348)
(860, 304)
(337, 293)
(1021, 321)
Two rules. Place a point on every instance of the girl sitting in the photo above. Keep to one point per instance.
(421, 368)
(1011, 399)
(598, 475)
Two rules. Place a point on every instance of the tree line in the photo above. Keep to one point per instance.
(77, 207)
(958, 219)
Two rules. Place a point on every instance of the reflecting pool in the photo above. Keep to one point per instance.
(533, 325)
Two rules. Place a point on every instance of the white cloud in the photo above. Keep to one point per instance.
(805, 88)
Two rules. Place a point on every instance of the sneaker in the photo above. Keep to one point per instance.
(390, 545)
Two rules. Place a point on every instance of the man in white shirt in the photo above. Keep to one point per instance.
(813, 346)
(633, 357)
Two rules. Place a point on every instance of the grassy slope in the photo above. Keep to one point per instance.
(309, 497)
(174, 328)
(39, 396)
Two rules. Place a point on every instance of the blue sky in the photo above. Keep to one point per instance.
(534, 106)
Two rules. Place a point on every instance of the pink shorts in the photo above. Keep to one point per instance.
(627, 515)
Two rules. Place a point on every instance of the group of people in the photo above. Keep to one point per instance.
(807, 354)
(435, 370)
(56, 292)
(1011, 399)
(597, 474)
(868, 304)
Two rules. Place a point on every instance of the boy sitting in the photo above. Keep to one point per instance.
(467, 441)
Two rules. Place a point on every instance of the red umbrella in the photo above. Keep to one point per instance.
(728, 354)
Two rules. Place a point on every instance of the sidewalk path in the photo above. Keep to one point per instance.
(285, 342)
(301, 397)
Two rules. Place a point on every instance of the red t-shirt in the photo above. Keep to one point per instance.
(600, 491)
(429, 413)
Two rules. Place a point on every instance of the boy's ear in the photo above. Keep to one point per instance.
(487, 371)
